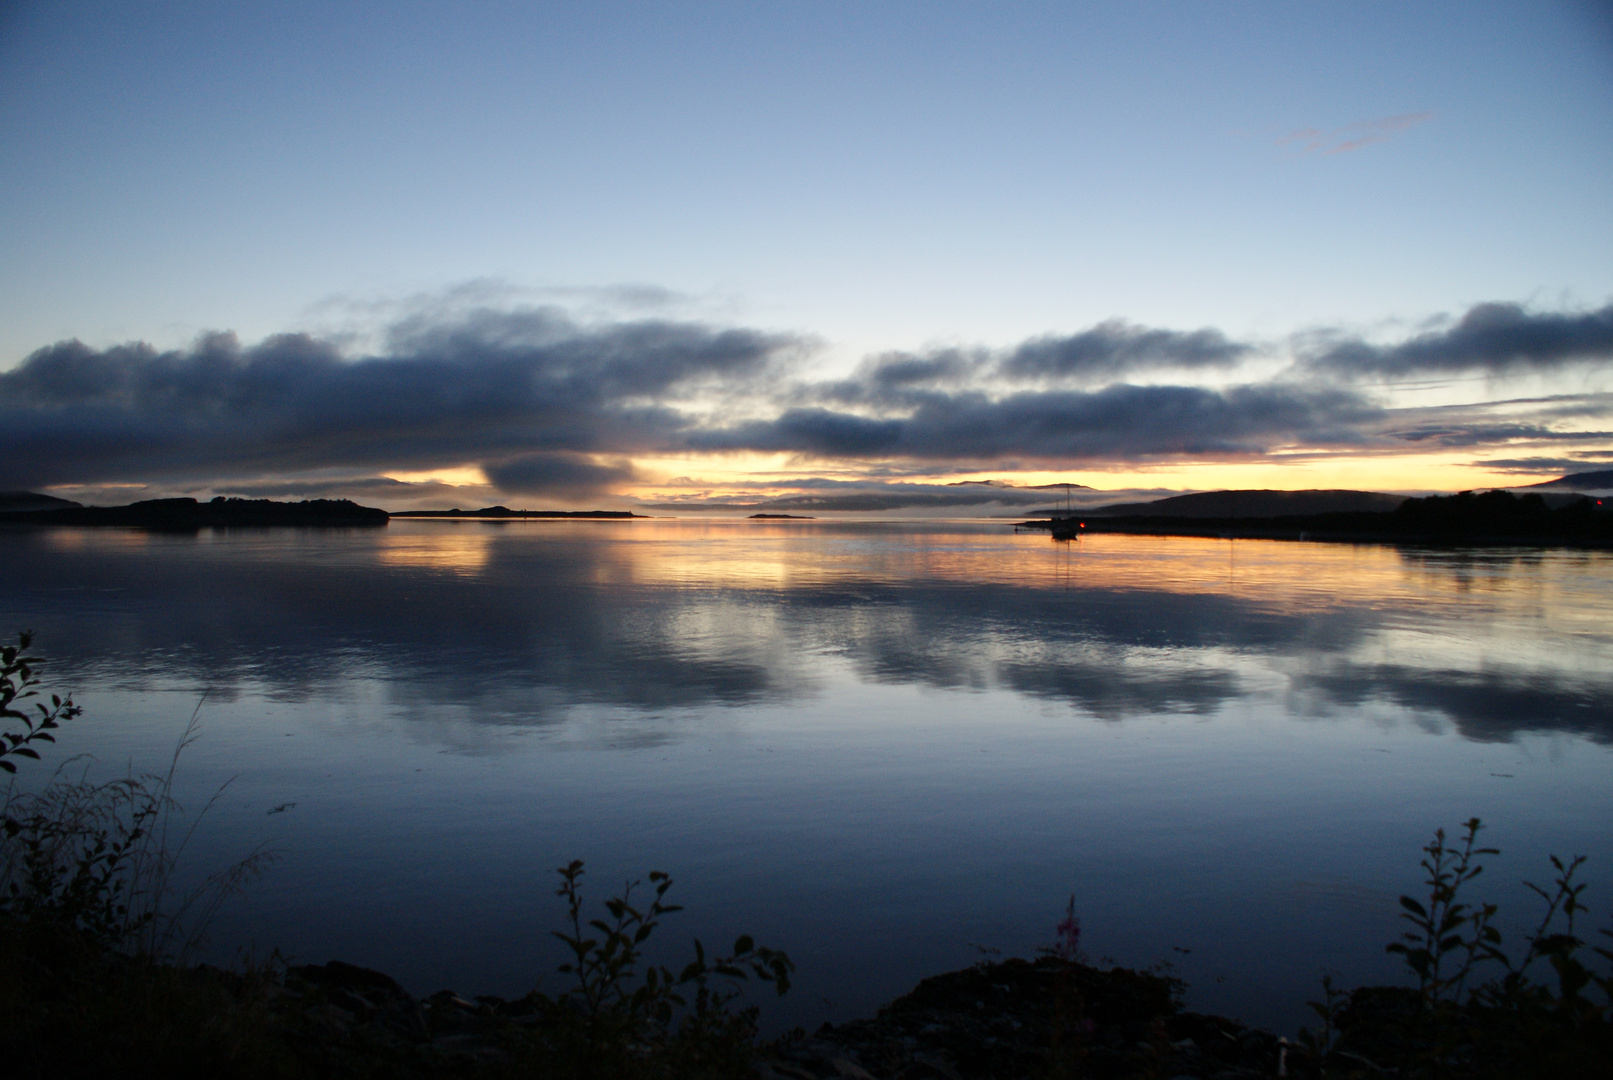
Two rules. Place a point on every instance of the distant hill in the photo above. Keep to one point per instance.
(16, 502)
(1254, 504)
(1580, 481)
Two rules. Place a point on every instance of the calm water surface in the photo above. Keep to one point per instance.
(887, 748)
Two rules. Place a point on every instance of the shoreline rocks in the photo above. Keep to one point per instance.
(1007, 1019)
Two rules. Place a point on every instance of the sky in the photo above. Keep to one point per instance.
(844, 256)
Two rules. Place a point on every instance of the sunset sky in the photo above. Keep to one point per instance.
(838, 255)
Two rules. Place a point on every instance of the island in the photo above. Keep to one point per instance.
(783, 517)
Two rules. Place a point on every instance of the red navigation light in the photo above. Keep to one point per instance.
(1084, 524)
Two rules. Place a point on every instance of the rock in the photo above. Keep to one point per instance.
(1020, 1017)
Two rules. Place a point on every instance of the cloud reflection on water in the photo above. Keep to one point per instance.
(521, 625)
(1485, 706)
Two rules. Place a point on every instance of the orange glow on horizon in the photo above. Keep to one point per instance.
(458, 476)
(753, 475)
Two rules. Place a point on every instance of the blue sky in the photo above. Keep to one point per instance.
(863, 177)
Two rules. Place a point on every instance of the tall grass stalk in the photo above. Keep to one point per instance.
(100, 858)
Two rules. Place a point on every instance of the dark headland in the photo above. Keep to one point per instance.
(1581, 481)
(1240, 504)
(1469, 518)
(18, 502)
(182, 514)
(30, 508)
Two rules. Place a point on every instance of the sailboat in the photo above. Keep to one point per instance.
(1066, 527)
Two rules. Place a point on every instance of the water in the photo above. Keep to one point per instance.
(887, 748)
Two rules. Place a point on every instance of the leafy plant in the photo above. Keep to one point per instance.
(17, 682)
(1512, 1025)
(624, 1010)
(1570, 1005)
(98, 859)
(1449, 936)
(1319, 1044)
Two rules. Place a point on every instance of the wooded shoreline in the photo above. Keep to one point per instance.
(1491, 519)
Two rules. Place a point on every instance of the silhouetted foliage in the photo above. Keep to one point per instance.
(624, 1016)
(17, 682)
(1468, 509)
(1517, 1024)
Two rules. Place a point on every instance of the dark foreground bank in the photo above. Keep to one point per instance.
(1016, 1018)
(1009, 1019)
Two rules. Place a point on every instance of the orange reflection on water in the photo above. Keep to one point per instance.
(784, 555)
(75, 539)
(462, 549)
(772, 556)
(766, 555)
(1511, 593)
(1294, 575)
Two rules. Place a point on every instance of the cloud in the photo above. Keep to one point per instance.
(1533, 466)
(815, 432)
(1111, 350)
(355, 318)
(828, 496)
(1116, 348)
(1121, 422)
(395, 494)
(486, 387)
(905, 378)
(549, 405)
(1351, 136)
(560, 474)
(1494, 339)
(1482, 434)
(817, 494)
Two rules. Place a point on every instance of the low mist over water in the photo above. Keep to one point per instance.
(887, 748)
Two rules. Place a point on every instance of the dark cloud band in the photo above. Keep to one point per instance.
(557, 474)
(549, 406)
(1494, 338)
(1113, 424)
(489, 387)
(1114, 349)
